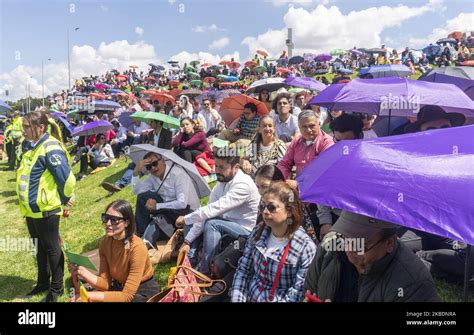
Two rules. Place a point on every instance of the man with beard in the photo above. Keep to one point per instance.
(232, 210)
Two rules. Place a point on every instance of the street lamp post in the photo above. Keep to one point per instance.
(68, 58)
(42, 79)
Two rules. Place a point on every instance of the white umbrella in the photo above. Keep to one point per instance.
(270, 84)
(137, 152)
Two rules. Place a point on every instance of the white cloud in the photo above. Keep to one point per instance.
(85, 60)
(204, 57)
(463, 22)
(203, 29)
(139, 31)
(325, 28)
(104, 8)
(171, 2)
(279, 3)
(219, 44)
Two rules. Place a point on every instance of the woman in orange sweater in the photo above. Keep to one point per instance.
(125, 272)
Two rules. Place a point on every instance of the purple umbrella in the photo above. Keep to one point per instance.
(422, 180)
(92, 128)
(308, 83)
(466, 85)
(393, 96)
(309, 57)
(56, 115)
(323, 58)
(125, 119)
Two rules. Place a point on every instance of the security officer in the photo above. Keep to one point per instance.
(45, 183)
(16, 134)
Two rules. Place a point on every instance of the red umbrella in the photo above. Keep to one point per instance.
(234, 64)
(225, 62)
(233, 107)
(206, 65)
(163, 98)
(150, 79)
(228, 84)
(283, 70)
(209, 80)
(149, 92)
(262, 53)
(250, 63)
(174, 92)
(121, 77)
(133, 66)
(173, 83)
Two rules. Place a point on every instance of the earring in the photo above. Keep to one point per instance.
(289, 221)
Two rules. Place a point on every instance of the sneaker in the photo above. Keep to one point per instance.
(81, 177)
(111, 187)
(37, 290)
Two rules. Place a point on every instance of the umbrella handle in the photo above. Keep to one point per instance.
(467, 273)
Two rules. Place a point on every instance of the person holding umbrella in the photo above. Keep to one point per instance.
(100, 155)
(45, 183)
(245, 128)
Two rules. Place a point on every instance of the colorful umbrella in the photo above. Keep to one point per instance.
(4, 107)
(228, 84)
(173, 83)
(222, 77)
(393, 96)
(337, 52)
(162, 98)
(189, 69)
(99, 96)
(206, 65)
(259, 69)
(262, 53)
(283, 70)
(231, 79)
(133, 66)
(193, 75)
(149, 92)
(269, 84)
(195, 82)
(174, 92)
(307, 83)
(250, 63)
(139, 88)
(121, 77)
(105, 105)
(225, 63)
(452, 71)
(296, 60)
(466, 85)
(414, 180)
(323, 58)
(209, 80)
(194, 63)
(233, 107)
(168, 121)
(100, 86)
(150, 79)
(388, 70)
(92, 128)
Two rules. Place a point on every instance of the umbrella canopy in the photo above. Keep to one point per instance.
(194, 63)
(92, 128)
(99, 96)
(259, 69)
(137, 152)
(446, 41)
(125, 119)
(168, 121)
(413, 180)
(309, 56)
(432, 50)
(101, 86)
(221, 95)
(209, 79)
(296, 60)
(262, 53)
(453, 71)
(192, 92)
(149, 92)
(345, 71)
(270, 84)
(162, 98)
(466, 85)
(337, 52)
(222, 77)
(105, 104)
(173, 83)
(233, 107)
(206, 65)
(174, 92)
(195, 82)
(283, 70)
(308, 83)
(393, 96)
(231, 79)
(388, 70)
(356, 52)
(133, 66)
(467, 63)
(4, 107)
(121, 77)
(139, 88)
(114, 91)
(250, 63)
(228, 84)
(193, 75)
(56, 115)
(323, 58)
(189, 69)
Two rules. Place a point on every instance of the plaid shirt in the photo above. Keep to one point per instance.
(255, 274)
(248, 128)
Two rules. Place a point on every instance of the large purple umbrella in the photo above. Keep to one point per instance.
(422, 180)
(393, 96)
(308, 83)
(323, 58)
(92, 128)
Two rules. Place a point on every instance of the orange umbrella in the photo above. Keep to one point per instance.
(173, 83)
(174, 92)
(262, 53)
(209, 80)
(162, 98)
(133, 66)
(150, 79)
(233, 107)
(98, 96)
(250, 63)
(121, 77)
(225, 62)
(283, 70)
(228, 84)
(206, 65)
(149, 92)
(234, 64)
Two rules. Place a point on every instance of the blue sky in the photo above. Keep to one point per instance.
(36, 30)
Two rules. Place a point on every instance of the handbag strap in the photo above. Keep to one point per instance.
(278, 274)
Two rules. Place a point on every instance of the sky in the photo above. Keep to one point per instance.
(117, 34)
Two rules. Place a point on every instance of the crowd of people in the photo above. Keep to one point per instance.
(256, 195)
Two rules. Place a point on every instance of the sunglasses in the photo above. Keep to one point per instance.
(207, 104)
(114, 220)
(152, 165)
(271, 207)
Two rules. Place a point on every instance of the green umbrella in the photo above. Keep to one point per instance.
(168, 121)
(222, 76)
(336, 52)
(194, 63)
(73, 112)
(139, 88)
(297, 90)
(259, 69)
(271, 59)
(195, 82)
(189, 69)
(139, 115)
(193, 75)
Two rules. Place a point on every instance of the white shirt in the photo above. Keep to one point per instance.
(288, 127)
(103, 154)
(236, 201)
(273, 244)
(137, 130)
(177, 191)
(209, 119)
(156, 137)
(121, 135)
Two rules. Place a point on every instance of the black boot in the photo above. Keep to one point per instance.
(52, 297)
(37, 290)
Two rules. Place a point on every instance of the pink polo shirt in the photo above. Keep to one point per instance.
(299, 153)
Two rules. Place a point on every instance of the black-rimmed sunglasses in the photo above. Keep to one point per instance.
(271, 207)
(152, 165)
(115, 220)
